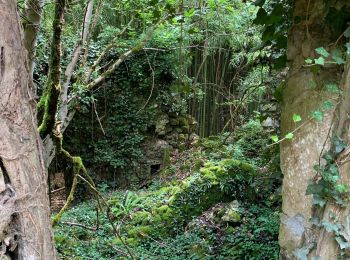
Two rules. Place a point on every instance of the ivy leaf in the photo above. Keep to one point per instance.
(314, 188)
(342, 188)
(308, 61)
(318, 168)
(328, 157)
(320, 61)
(337, 56)
(318, 115)
(289, 136)
(342, 244)
(347, 45)
(339, 144)
(327, 105)
(333, 170)
(330, 227)
(347, 32)
(274, 138)
(301, 253)
(322, 51)
(332, 88)
(318, 200)
(296, 118)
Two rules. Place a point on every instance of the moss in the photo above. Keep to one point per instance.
(142, 217)
(231, 216)
(230, 230)
(178, 203)
(139, 232)
(162, 209)
(166, 157)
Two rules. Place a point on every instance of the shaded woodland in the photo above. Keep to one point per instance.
(162, 129)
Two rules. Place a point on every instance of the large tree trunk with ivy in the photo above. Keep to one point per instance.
(25, 226)
(305, 94)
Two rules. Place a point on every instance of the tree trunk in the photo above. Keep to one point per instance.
(25, 226)
(304, 92)
(31, 24)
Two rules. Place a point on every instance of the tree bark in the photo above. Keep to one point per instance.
(31, 25)
(304, 92)
(25, 225)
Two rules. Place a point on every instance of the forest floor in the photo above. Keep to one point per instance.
(220, 199)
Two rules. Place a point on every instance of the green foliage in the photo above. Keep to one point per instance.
(120, 106)
(275, 16)
(257, 238)
(124, 208)
(168, 220)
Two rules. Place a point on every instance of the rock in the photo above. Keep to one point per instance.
(161, 124)
(270, 122)
(231, 214)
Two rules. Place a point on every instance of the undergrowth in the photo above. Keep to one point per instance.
(218, 200)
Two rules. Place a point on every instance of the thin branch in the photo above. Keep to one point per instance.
(78, 225)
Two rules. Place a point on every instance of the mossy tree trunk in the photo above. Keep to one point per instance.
(304, 93)
(25, 226)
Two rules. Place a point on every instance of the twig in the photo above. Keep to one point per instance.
(153, 79)
(54, 191)
(98, 118)
(79, 225)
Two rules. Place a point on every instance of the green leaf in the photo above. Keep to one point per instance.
(327, 105)
(342, 244)
(322, 51)
(296, 118)
(332, 88)
(341, 188)
(274, 138)
(347, 45)
(289, 136)
(317, 115)
(308, 61)
(320, 61)
(347, 32)
(339, 144)
(318, 200)
(301, 253)
(337, 56)
(328, 157)
(314, 188)
(330, 227)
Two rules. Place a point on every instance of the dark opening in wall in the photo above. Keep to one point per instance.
(155, 169)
